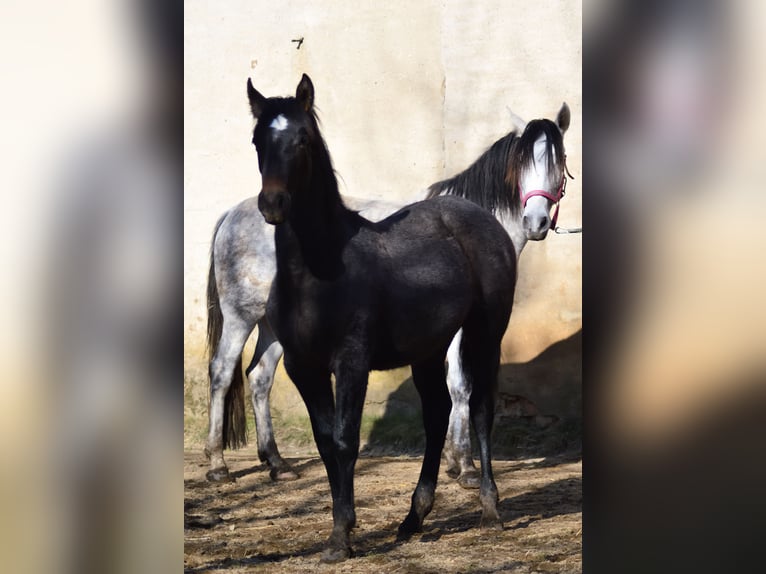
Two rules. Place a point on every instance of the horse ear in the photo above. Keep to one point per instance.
(518, 124)
(304, 93)
(562, 120)
(257, 100)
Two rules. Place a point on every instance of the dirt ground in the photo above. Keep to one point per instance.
(253, 524)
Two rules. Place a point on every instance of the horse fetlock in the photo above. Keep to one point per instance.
(423, 502)
(490, 519)
(214, 454)
(344, 519)
(489, 494)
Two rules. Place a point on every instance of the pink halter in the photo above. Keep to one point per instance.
(555, 198)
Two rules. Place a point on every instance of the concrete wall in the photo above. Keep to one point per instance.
(408, 93)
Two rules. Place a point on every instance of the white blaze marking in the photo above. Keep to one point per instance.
(279, 123)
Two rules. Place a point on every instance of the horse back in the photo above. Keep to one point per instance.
(484, 243)
(445, 258)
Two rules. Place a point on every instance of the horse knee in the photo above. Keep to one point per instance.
(459, 390)
(260, 387)
(346, 450)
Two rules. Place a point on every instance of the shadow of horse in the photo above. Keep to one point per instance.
(550, 383)
(555, 499)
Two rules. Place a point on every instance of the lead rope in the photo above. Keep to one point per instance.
(566, 230)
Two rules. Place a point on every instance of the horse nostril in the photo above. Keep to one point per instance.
(525, 221)
(280, 201)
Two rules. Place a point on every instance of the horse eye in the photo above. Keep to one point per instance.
(303, 140)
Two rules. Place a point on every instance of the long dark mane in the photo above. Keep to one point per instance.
(484, 182)
(492, 180)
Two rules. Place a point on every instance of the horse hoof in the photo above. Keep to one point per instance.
(283, 474)
(335, 555)
(219, 475)
(407, 528)
(453, 472)
(491, 523)
(469, 479)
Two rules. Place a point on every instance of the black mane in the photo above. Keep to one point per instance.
(492, 180)
(484, 182)
(525, 149)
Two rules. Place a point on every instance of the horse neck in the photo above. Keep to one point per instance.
(317, 228)
(512, 223)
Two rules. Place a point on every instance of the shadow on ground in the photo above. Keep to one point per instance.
(551, 382)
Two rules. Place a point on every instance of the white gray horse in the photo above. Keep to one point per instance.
(519, 179)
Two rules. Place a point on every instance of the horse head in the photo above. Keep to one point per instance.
(537, 170)
(284, 136)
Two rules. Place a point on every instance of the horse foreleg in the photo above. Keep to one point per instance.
(316, 390)
(429, 381)
(350, 389)
(260, 375)
(457, 448)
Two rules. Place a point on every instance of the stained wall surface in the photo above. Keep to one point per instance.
(408, 93)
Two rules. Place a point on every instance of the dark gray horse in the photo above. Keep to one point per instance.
(351, 295)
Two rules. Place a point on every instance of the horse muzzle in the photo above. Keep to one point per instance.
(274, 205)
(536, 227)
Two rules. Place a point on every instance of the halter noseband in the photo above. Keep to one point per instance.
(553, 197)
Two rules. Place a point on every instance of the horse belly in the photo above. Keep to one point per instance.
(426, 303)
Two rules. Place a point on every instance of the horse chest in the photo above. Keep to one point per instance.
(306, 317)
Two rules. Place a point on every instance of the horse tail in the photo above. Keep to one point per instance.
(476, 356)
(234, 422)
(480, 347)
(214, 314)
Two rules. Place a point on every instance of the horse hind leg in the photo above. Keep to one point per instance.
(260, 375)
(457, 448)
(223, 371)
(482, 361)
(429, 379)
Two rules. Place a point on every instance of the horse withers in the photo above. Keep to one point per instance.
(351, 295)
